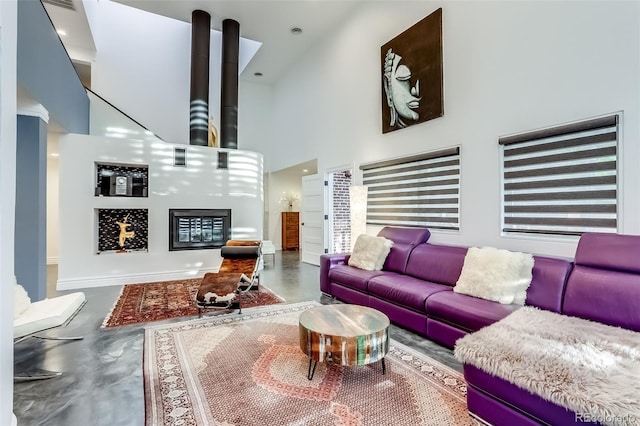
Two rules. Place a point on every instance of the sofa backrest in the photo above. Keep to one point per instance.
(548, 281)
(404, 240)
(436, 263)
(443, 264)
(604, 285)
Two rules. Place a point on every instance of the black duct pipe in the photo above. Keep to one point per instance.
(229, 83)
(199, 106)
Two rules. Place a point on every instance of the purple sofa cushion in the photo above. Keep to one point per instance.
(466, 312)
(445, 334)
(403, 290)
(404, 240)
(605, 296)
(351, 277)
(609, 251)
(548, 282)
(435, 263)
(349, 295)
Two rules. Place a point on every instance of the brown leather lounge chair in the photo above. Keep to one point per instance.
(238, 273)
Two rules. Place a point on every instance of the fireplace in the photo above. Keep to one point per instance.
(198, 229)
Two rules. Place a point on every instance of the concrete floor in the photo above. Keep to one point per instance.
(102, 380)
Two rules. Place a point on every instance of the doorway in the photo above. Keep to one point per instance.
(338, 210)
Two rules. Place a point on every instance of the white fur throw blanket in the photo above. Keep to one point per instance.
(578, 364)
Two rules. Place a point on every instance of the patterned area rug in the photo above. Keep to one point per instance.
(163, 300)
(249, 370)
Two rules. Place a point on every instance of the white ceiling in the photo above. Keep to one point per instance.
(266, 21)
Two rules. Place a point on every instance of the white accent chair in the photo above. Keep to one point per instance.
(30, 318)
(269, 248)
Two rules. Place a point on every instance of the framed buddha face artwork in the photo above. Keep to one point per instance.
(412, 80)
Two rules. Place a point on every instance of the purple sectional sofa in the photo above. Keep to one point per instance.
(415, 290)
(604, 286)
(415, 287)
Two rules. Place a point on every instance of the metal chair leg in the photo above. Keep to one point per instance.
(36, 376)
(58, 338)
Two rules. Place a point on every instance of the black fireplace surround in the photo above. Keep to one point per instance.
(198, 229)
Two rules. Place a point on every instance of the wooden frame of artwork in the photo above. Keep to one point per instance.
(412, 75)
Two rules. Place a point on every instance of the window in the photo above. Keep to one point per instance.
(562, 179)
(420, 190)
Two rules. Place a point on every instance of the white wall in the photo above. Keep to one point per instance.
(255, 123)
(508, 67)
(143, 64)
(8, 37)
(52, 198)
(199, 185)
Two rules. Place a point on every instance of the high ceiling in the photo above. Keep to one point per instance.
(269, 22)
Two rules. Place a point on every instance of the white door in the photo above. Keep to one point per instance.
(312, 219)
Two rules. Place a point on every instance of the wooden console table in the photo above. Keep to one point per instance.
(290, 231)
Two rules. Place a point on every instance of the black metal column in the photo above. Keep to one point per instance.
(199, 106)
(229, 83)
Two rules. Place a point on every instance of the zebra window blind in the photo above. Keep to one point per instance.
(420, 190)
(563, 179)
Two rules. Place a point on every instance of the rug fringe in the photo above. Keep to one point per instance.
(110, 314)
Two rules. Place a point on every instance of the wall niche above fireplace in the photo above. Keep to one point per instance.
(121, 180)
(198, 229)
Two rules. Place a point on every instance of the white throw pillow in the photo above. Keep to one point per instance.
(370, 252)
(21, 301)
(495, 274)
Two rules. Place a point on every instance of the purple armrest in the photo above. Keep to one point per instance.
(328, 261)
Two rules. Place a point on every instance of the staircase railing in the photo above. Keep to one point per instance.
(105, 119)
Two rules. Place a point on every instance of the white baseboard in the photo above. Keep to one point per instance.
(91, 282)
(52, 260)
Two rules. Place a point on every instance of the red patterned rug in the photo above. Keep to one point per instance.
(249, 370)
(163, 300)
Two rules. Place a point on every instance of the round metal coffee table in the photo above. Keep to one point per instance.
(343, 335)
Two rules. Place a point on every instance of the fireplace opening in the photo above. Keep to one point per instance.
(198, 229)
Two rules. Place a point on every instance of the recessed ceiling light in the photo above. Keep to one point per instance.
(257, 74)
(304, 170)
(62, 32)
(296, 30)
